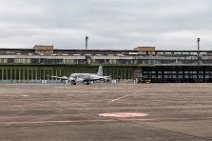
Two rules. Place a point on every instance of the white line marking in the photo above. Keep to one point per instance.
(25, 95)
(69, 121)
(95, 121)
(117, 99)
(123, 114)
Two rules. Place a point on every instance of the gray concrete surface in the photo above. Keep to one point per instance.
(61, 112)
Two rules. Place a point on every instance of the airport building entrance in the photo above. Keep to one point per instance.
(178, 74)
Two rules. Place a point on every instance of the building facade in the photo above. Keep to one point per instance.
(157, 65)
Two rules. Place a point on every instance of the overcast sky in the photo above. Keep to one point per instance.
(110, 24)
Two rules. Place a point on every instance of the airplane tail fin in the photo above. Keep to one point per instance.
(100, 71)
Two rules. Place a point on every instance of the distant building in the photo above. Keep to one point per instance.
(153, 64)
(46, 54)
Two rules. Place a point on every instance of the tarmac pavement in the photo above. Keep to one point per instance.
(106, 112)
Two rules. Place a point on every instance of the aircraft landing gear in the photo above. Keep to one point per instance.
(73, 83)
(86, 82)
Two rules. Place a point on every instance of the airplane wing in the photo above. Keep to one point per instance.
(71, 80)
(62, 78)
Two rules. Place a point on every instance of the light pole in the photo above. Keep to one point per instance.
(86, 43)
(198, 40)
(198, 51)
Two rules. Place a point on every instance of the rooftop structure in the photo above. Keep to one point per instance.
(43, 49)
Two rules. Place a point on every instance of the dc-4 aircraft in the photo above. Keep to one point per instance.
(85, 78)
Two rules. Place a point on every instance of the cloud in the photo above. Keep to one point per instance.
(111, 24)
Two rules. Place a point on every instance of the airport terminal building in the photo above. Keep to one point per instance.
(41, 61)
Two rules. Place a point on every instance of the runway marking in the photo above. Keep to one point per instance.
(123, 114)
(117, 99)
(99, 121)
(25, 95)
(71, 121)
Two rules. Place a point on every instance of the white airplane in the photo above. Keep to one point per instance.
(85, 78)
